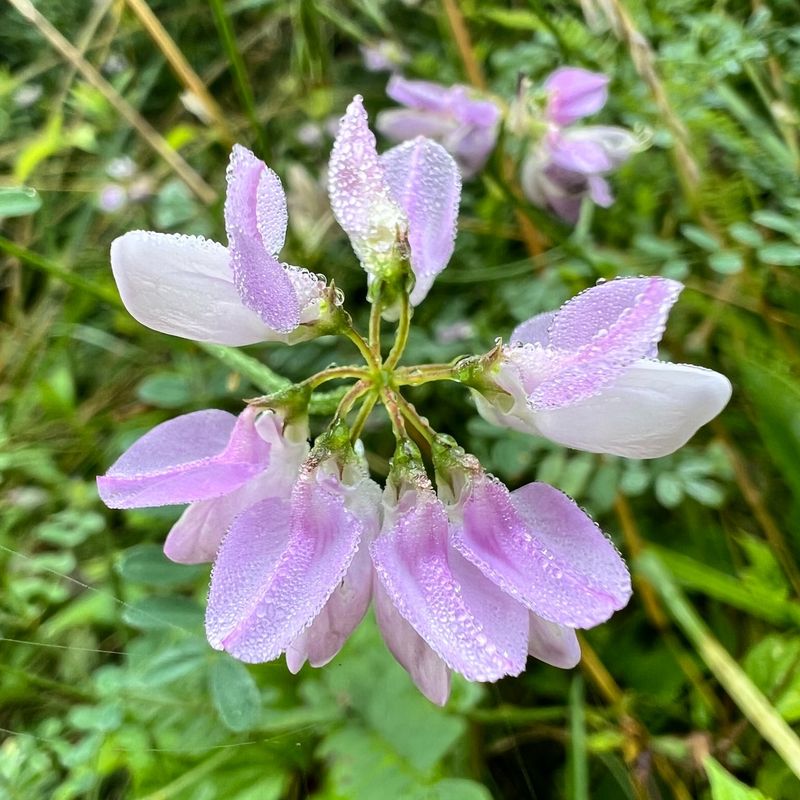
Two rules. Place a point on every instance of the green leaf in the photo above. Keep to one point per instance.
(19, 201)
(234, 694)
(726, 262)
(724, 786)
(165, 390)
(152, 613)
(781, 254)
(745, 234)
(147, 564)
(701, 238)
(777, 222)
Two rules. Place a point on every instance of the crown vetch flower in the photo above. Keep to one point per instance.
(587, 376)
(398, 206)
(191, 287)
(465, 125)
(471, 578)
(569, 162)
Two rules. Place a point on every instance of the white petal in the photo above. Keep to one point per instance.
(183, 285)
(554, 644)
(651, 411)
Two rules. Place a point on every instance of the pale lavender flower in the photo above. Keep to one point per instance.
(112, 198)
(568, 163)
(383, 56)
(477, 579)
(587, 375)
(218, 463)
(241, 294)
(402, 204)
(465, 125)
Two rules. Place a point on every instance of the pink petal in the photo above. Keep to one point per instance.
(601, 333)
(536, 330)
(429, 673)
(469, 623)
(346, 607)
(360, 195)
(574, 93)
(255, 223)
(584, 156)
(425, 182)
(538, 546)
(196, 536)
(325, 637)
(193, 457)
(401, 124)
(267, 587)
(554, 644)
(424, 95)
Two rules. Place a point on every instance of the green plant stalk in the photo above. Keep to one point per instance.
(401, 336)
(752, 703)
(578, 757)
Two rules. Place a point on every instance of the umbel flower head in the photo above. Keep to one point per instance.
(465, 576)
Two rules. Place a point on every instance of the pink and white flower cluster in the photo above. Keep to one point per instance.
(565, 163)
(468, 578)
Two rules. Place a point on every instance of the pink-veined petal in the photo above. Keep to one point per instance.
(253, 204)
(574, 93)
(425, 182)
(195, 538)
(650, 411)
(183, 285)
(554, 644)
(536, 330)
(259, 604)
(360, 195)
(599, 334)
(196, 456)
(326, 635)
(429, 673)
(538, 546)
(474, 627)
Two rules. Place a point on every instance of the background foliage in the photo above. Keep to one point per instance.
(107, 687)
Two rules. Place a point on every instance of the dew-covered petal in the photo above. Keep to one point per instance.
(183, 285)
(263, 283)
(599, 334)
(196, 536)
(360, 195)
(536, 330)
(574, 93)
(538, 546)
(259, 603)
(272, 216)
(653, 409)
(425, 182)
(193, 457)
(429, 673)
(325, 637)
(554, 644)
(346, 607)
(476, 629)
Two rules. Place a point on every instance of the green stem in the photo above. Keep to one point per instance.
(424, 373)
(401, 339)
(375, 329)
(363, 414)
(363, 347)
(334, 373)
(390, 401)
(349, 399)
(413, 416)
